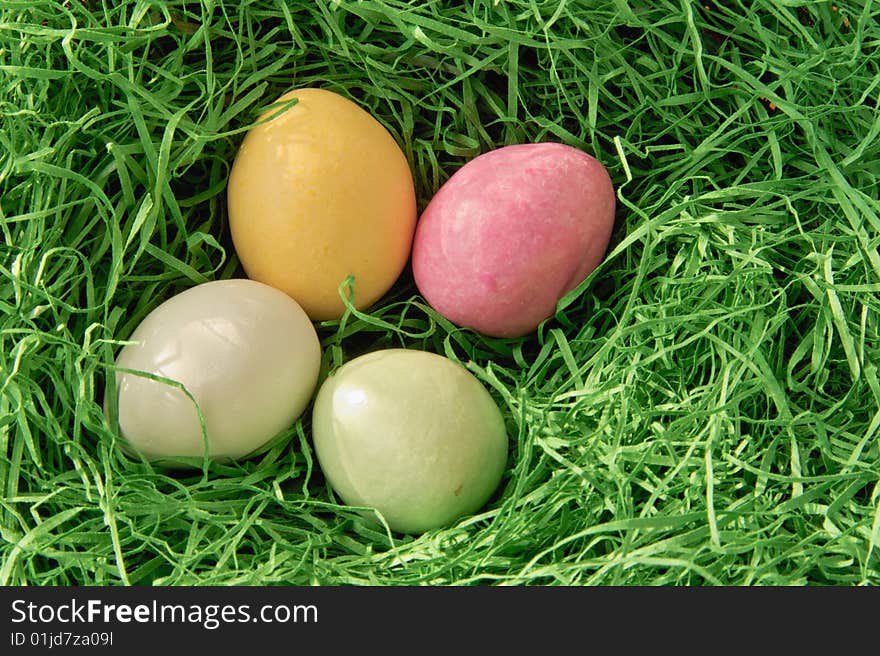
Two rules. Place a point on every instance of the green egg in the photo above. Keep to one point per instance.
(412, 434)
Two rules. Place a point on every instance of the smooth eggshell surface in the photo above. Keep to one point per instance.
(319, 193)
(246, 352)
(411, 434)
(512, 232)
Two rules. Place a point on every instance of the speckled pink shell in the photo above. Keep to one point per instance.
(512, 232)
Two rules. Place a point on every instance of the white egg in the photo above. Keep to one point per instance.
(247, 354)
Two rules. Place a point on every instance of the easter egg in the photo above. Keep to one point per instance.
(247, 354)
(320, 192)
(411, 434)
(512, 232)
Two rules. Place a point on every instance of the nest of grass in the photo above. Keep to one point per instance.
(703, 410)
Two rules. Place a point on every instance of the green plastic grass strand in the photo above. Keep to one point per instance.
(704, 409)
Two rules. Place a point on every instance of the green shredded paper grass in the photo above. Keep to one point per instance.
(703, 410)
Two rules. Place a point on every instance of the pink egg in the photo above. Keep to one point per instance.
(512, 232)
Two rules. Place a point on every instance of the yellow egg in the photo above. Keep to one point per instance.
(320, 192)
